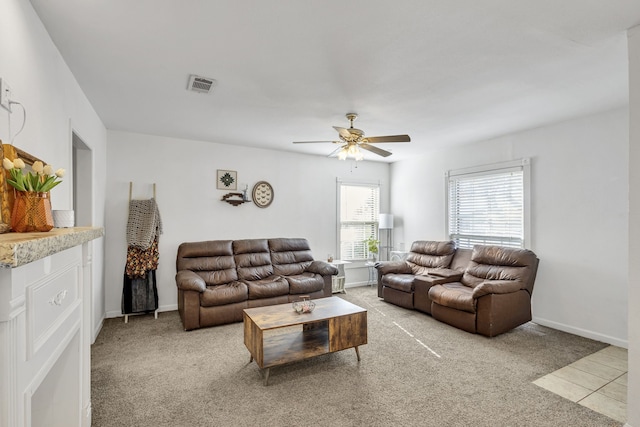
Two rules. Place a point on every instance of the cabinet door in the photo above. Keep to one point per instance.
(347, 331)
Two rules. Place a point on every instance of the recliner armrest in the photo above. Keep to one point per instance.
(398, 267)
(187, 280)
(322, 268)
(496, 287)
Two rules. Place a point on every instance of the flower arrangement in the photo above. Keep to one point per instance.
(40, 179)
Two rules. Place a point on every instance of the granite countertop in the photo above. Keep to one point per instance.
(17, 249)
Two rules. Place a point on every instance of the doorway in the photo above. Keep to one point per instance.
(82, 182)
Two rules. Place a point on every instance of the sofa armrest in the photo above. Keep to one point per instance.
(447, 273)
(187, 280)
(322, 268)
(398, 267)
(434, 280)
(496, 287)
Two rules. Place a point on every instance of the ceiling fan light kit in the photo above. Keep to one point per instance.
(354, 141)
(350, 150)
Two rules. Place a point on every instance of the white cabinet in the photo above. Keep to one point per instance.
(45, 333)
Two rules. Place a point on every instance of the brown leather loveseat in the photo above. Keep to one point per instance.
(217, 279)
(486, 290)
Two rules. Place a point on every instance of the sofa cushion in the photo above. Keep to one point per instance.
(290, 256)
(400, 282)
(305, 283)
(454, 295)
(426, 255)
(252, 258)
(212, 260)
(273, 286)
(224, 294)
(500, 263)
(191, 252)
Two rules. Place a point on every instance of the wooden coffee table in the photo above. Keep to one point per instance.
(276, 334)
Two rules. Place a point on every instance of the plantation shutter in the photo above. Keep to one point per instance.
(359, 207)
(487, 208)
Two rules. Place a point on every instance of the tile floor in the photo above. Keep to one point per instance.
(598, 381)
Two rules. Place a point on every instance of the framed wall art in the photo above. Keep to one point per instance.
(226, 180)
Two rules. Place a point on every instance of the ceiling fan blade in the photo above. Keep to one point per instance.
(376, 150)
(390, 138)
(344, 132)
(316, 142)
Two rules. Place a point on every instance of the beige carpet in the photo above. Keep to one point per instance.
(415, 371)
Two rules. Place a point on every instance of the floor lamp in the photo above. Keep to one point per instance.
(385, 222)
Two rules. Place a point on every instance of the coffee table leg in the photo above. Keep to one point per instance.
(266, 376)
(357, 353)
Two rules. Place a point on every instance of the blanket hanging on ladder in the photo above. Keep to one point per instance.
(140, 295)
(144, 226)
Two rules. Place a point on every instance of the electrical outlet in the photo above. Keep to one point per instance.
(5, 95)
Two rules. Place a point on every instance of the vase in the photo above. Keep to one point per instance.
(31, 212)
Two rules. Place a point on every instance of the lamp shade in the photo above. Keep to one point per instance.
(385, 221)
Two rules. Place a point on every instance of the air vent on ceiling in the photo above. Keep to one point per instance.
(201, 84)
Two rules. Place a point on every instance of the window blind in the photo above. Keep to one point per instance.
(359, 207)
(487, 208)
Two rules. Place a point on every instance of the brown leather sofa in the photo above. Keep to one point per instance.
(217, 279)
(486, 290)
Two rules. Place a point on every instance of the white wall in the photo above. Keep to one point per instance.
(633, 390)
(579, 187)
(41, 81)
(191, 208)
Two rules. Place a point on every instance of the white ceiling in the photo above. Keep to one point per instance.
(443, 71)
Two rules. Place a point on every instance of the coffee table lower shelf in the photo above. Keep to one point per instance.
(275, 336)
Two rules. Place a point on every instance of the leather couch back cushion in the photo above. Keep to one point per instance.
(254, 266)
(461, 259)
(250, 245)
(290, 256)
(212, 260)
(498, 255)
(499, 263)
(193, 251)
(288, 244)
(252, 259)
(430, 254)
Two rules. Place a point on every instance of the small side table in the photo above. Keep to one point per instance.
(337, 282)
(373, 274)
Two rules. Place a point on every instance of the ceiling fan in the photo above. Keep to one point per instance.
(352, 140)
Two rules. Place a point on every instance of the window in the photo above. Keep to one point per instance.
(358, 206)
(488, 205)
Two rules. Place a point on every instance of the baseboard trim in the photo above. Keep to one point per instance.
(582, 332)
(96, 330)
(170, 307)
(357, 284)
